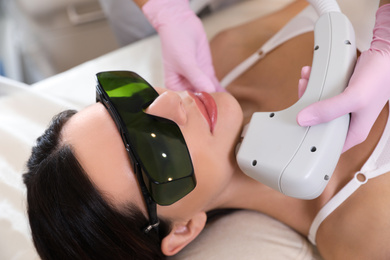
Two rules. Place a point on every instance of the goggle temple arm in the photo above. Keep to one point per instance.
(151, 206)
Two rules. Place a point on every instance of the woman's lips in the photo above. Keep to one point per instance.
(207, 106)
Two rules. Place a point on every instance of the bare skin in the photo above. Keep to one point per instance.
(364, 216)
(271, 84)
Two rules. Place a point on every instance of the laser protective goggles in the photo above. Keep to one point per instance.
(155, 145)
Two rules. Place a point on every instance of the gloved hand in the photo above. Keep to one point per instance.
(367, 92)
(185, 48)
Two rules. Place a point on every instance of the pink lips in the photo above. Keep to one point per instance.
(207, 107)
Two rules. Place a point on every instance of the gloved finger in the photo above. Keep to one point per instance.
(200, 81)
(325, 110)
(302, 84)
(359, 129)
(208, 71)
(305, 72)
(218, 87)
(175, 82)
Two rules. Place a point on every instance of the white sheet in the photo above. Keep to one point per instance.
(26, 110)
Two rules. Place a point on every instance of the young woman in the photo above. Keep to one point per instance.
(85, 201)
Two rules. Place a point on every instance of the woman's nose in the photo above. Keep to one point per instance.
(169, 105)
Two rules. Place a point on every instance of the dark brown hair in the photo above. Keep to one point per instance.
(69, 219)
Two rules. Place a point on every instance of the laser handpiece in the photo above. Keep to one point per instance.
(299, 161)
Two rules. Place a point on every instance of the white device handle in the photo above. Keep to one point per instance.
(299, 161)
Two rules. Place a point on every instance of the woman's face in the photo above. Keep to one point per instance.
(210, 139)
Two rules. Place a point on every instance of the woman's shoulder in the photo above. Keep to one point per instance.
(361, 223)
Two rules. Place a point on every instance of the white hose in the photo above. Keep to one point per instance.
(325, 6)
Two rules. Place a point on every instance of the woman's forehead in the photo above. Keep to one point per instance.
(99, 148)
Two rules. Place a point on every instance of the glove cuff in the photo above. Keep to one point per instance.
(161, 12)
(381, 33)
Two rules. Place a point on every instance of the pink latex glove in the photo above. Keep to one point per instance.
(185, 48)
(368, 90)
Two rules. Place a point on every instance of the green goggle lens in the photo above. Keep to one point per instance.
(155, 143)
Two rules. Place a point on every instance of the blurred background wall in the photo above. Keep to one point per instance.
(40, 38)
